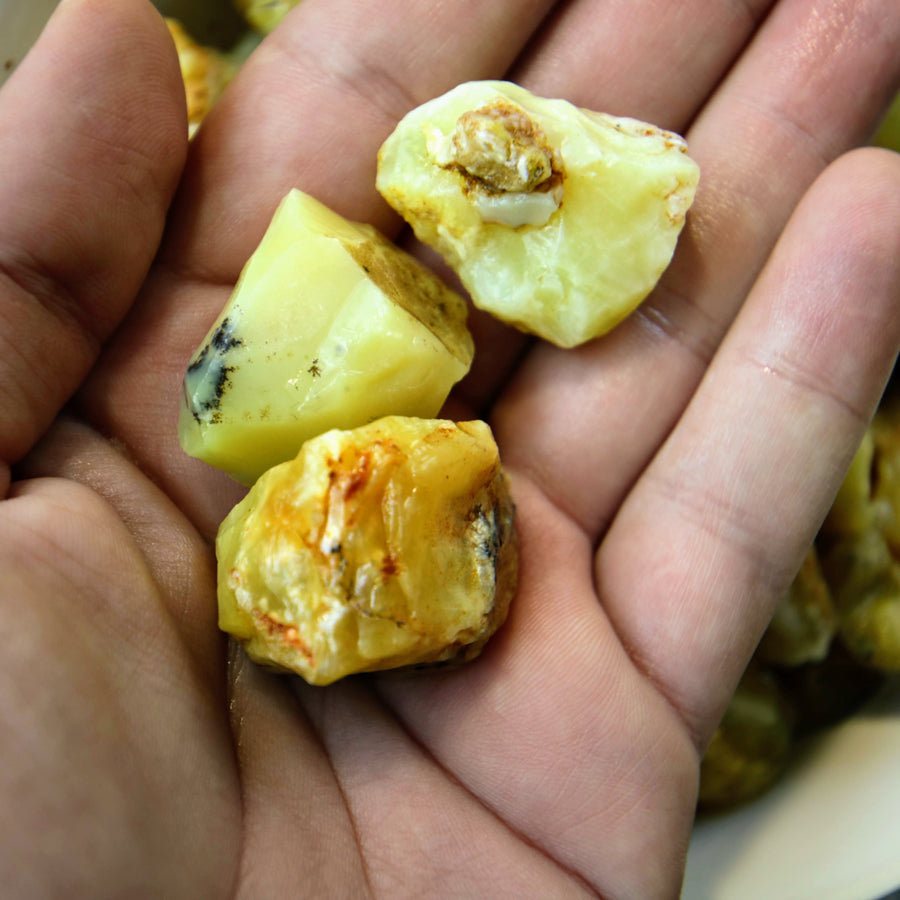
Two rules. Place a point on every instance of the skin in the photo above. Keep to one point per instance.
(144, 756)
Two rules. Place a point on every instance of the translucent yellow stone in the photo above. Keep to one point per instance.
(558, 220)
(389, 545)
(330, 326)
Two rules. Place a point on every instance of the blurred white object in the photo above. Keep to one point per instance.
(829, 830)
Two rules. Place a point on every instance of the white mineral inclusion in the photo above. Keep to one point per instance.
(557, 220)
(517, 209)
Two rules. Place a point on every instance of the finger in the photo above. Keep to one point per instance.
(808, 87)
(652, 59)
(313, 105)
(91, 137)
(295, 818)
(716, 527)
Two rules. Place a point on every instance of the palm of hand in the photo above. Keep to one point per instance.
(565, 759)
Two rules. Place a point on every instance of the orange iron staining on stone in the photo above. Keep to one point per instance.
(388, 545)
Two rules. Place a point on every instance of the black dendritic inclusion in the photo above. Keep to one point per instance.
(207, 377)
(488, 531)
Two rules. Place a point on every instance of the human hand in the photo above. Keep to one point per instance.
(669, 476)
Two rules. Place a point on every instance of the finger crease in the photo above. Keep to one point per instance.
(794, 128)
(680, 318)
(543, 481)
(797, 377)
(576, 876)
(50, 294)
(357, 75)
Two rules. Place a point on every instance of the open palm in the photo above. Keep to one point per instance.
(668, 476)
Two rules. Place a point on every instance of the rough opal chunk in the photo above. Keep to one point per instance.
(329, 326)
(389, 545)
(558, 220)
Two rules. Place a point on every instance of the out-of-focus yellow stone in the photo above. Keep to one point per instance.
(330, 326)
(558, 220)
(805, 621)
(389, 545)
(749, 750)
(204, 70)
